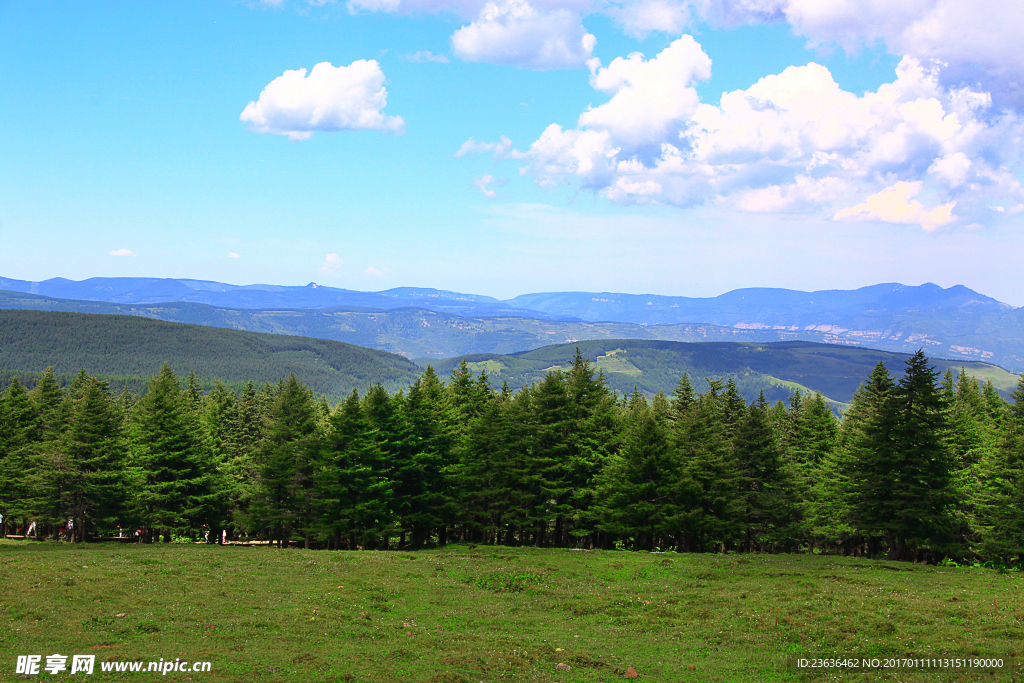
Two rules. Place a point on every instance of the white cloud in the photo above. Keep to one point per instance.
(952, 168)
(376, 272)
(644, 16)
(483, 184)
(651, 99)
(390, 6)
(793, 141)
(232, 254)
(427, 56)
(329, 99)
(979, 40)
(500, 149)
(332, 265)
(895, 204)
(514, 33)
(123, 252)
(804, 193)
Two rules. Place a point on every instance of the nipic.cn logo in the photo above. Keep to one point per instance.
(33, 665)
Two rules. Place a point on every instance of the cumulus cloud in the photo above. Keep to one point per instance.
(793, 141)
(332, 265)
(978, 40)
(123, 252)
(484, 182)
(426, 56)
(329, 99)
(232, 254)
(644, 16)
(376, 272)
(651, 99)
(895, 204)
(515, 33)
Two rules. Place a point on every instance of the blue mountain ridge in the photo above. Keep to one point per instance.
(772, 307)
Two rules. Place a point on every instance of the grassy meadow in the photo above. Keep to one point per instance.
(468, 614)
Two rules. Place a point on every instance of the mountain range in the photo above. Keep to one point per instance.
(955, 322)
(127, 350)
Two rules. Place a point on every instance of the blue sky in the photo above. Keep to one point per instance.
(502, 147)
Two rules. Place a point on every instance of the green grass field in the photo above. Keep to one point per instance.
(488, 614)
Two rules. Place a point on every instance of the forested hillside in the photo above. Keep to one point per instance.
(919, 469)
(988, 331)
(126, 346)
(777, 368)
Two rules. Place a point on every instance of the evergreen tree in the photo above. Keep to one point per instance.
(354, 489)
(999, 503)
(683, 397)
(767, 492)
(812, 437)
(592, 439)
(715, 513)
(425, 491)
(94, 487)
(286, 461)
(48, 398)
(19, 430)
(902, 468)
(548, 465)
(643, 490)
(168, 457)
(485, 475)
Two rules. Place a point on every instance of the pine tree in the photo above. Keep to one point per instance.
(484, 475)
(715, 513)
(683, 397)
(169, 461)
(48, 397)
(767, 491)
(902, 468)
(999, 503)
(219, 416)
(547, 468)
(424, 488)
(592, 438)
(354, 489)
(812, 437)
(643, 490)
(286, 460)
(94, 487)
(19, 431)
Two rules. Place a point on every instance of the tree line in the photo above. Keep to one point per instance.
(918, 468)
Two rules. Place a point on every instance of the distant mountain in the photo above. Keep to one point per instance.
(141, 290)
(775, 368)
(953, 323)
(134, 347)
(777, 308)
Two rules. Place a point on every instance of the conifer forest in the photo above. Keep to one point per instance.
(919, 468)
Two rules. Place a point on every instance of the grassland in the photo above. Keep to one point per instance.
(487, 614)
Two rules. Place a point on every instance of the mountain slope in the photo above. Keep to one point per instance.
(775, 368)
(128, 290)
(133, 346)
(948, 323)
(778, 307)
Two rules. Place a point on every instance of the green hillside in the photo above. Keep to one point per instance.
(776, 368)
(420, 333)
(126, 347)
